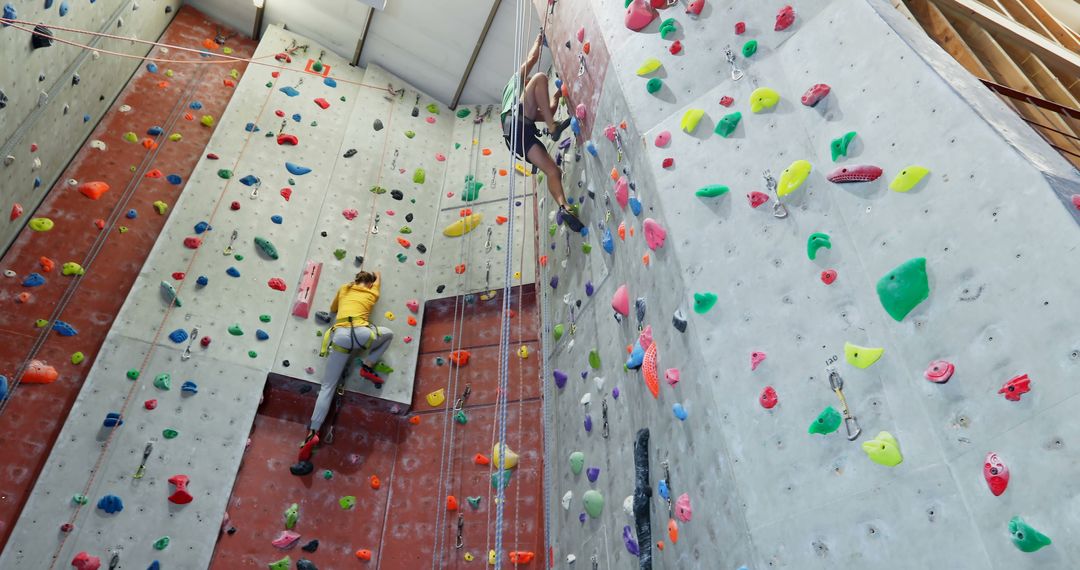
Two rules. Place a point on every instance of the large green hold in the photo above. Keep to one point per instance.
(472, 189)
(163, 381)
(903, 288)
(235, 330)
(1026, 538)
(558, 331)
(577, 462)
(594, 503)
(266, 247)
(594, 359)
(704, 302)
(839, 146)
(711, 191)
(419, 176)
(828, 421)
(749, 48)
(283, 564)
(727, 124)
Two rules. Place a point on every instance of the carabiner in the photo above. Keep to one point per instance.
(736, 73)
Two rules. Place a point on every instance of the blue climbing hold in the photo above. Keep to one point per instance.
(588, 289)
(679, 411)
(64, 8)
(131, 214)
(635, 206)
(155, 565)
(570, 200)
(86, 118)
(584, 231)
(111, 504)
(151, 67)
(232, 271)
(195, 105)
(154, 131)
(48, 4)
(202, 281)
(591, 147)
(296, 169)
(33, 280)
(575, 125)
(202, 227)
(558, 83)
(262, 335)
(9, 13)
(329, 82)
(190, 387)
(37, 182)
(290, 91)
(277, 219)
(64, 329)
(3, 387)
(555, 282)
(112, 419)
(296, 117)
(174, 179)
(607, 241)
(178, 336)
(637, 356)
(663, 490)
(249, 180)
(251, 128)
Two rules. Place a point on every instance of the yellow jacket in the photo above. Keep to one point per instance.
(355, 301)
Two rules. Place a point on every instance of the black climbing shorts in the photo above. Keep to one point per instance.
(527, 134)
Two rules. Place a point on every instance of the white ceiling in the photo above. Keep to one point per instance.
(425, 42)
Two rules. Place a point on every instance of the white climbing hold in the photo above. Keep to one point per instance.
(567, 499)
(124, 108)
(99, 145)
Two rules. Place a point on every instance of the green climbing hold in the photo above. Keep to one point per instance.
(163, 381)
(169, 433)
(207, 121)
(472, 189)
(41, 323)
(80, 499)
(500, 479)
(577, 462)
(266, 247)
(317, 67)
(41, 224)
(327, 474)
(903, 288)
(703, 302)
(552, 229)
(447, 338)
(474, 502)
(405, 230)
(586, 248)
(161, 543)
(402, 258)
(654, 84)
(410, 134)
(828, 421)
(461, 418)
(594, 503)
(238, 257)
(419, 176)
(224, 173)
(749, 48)
(347, 502)
(457, 146)
(727, 124)
(283, 564)
(378, 190)
(383, 368)
(462, 113)
(264, 318)
(594, 359)
(816, 241)
(1026, 538)
(839, 146)
(292, 514)
(133, 374)
(235, 330)
(712, 191)
(175, 137)
(339, 254)
(666, 27)
(557, 332)
(433, 109)
(253, 354)
(269, 84)
(131, 137)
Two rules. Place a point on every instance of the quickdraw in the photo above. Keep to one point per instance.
(228, 249)
(779, 210)
(850, 424)
(460, 531)
(145, 455)
(191, 341)
(603, 418)
(736, 73)
(460, 402)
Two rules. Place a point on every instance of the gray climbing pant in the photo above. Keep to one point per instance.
(351, 338)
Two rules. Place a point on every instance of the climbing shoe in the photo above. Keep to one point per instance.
(370, 374)
(570, 219)
(559, 129)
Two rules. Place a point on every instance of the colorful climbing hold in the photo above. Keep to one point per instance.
(839, 146)
(650, 65)
(793, 177)
(828, 421)
(594, 503)
(1025, 537)
(690, 120)
(1015, 388)
(908, 178)
(855, 173)
(768, 397)
(939, 371)
(784, 18)
(815, 94)
(40, 224)
(861, 356)
(815, 242)
(704, 302)
(726, 126)
(763, 98)
(749, 49)
(903, 288)
(883, 450)
(996, 474)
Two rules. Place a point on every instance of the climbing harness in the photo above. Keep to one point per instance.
(778, 208)
(328, 337)
(850, 424)
(228, 248)
(145, 455)
(736, 73)
(191, 341)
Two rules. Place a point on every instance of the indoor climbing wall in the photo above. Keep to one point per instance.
(696, 334)
(52, 94)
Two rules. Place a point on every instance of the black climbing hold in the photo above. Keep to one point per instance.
(678, 320)
(301, 468)
(75, 79)
(306, 388)
(323, 234)
(440, 288)
(323, 317)
(568, 44)
(408, 217)
(305, 564)
(41, 76)
(168, 9)
(378, 125)
(416, 111)
(311, 546)
(3, 99)
(359, 260)
(397, 195)
(350, 153)
(43, 37)
(285, 363)
(421, 248)
(231, 530)
(101, 98)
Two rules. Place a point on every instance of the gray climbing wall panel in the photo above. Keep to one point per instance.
(989, 219)
(31, 118)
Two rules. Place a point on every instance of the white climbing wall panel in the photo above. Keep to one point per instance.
(991, 218)
(237, 302)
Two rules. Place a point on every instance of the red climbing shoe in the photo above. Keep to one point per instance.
(306, 449)
(369, 373)
(570, 219)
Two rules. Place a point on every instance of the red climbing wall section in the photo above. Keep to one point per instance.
(405, 520)
(32, 415)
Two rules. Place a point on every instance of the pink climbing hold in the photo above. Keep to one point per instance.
(430, 120)
(580, 111)
(672, 376)
(996, 474)
(854, 173)
(286, 539)
(413, 305)
(645, 338)
(609, 133)
(620, 301)
(662, 139)
(784, 18)
(322, 103)
(757, 198)
(622, 192)
(655, 235)
(768, 398)
(740, 28)
(695, 7)
(683, 510)
(939, 371)
(815, 94)
(276, 283)
(286, 193)
(192, 242)
(639, 13)
(581, 34)
(726, 101)
(350, 214)
(84, 561)
(756, 358)
(407, 339)
(440, 157)
(1076, 201)
(828, 276)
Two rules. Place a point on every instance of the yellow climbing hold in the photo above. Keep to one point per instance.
(650, 65)
(523, 351)
(161, 207)
(509, 462)
(792, 177)
(131, 137)
(207, 121)
(41, 224)
(908, 178)
(436, 398)
(234, 74)
(520, 168)
(491, 557)
(690, 119)
(861, 356)
(469, 557)
(463, 226)
(389, 315)
(763, 98)
(883, 450)
(175, 137)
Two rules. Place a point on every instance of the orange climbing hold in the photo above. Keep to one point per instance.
(465, 212)
(40, 373)
(481, 459)
(229, 82)
(149, 144)
(500, 220)
(543, 261)
(660, 545)
(374, 481)
(648, 371)
(460, 357)
(451, 503)
(415, 420)
(363, 554)
(155, 173)
(645, 260)
(503, 172)
(460, 269)
(614, 174)
(673, 531)
(94, 190)
(519, 557)
(622, 231)
(210, 44)
(189, 117)
(412, 321)
(404, 242)
(486, 152)
(23, 297)
(47, 264)
(587, 47)
(162, 84)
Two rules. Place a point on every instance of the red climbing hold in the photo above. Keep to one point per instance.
(322, 103)
(784, 18)
(451, 503)
(93, 190)
(815, 94)
(150, 404)
(1076, 201)
(275, 74)
(768, 399)
(726, 101)
(659, 4)
(996, 474)
(460, 357)
(16, 211)
(500, 220)
(828, 276)
(675, 47)
(228, 82)
(179, 275)
(374, 482)
(290, 140)
(757, 198)
(155, 173)
(212, 156)
(192, 242)
(668, 162)
(459, 269)
(1015, 388)
(23, 297)
(740, 28)
(639, 14)
(305, 451)
(855, 173)
(286, 193)
(543, 260)
(234, 206)
(363, 554)
(649, 371)
(279, 113)
(46, 264)
(276, 283)
(84, 561)
(404, 242)
(181, 496)
(40, 373)
(520, 557)
(100, 223)
(695, 7)
(480, 459)
(149, 144)
(205, 341)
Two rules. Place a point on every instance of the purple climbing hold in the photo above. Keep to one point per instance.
(560, 379)
(631, 542)
(615, 392)
(588, 288)
(581, 518)
(555, 282)
(593, 473)
(588, 423)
